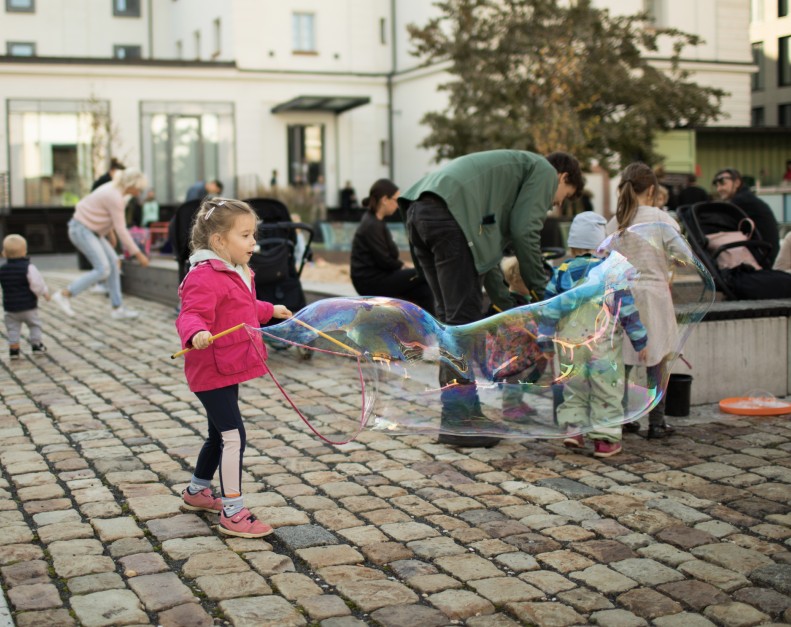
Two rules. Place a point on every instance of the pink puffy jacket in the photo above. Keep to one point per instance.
(215, 298)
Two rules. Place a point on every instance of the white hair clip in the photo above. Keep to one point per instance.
(210, 211)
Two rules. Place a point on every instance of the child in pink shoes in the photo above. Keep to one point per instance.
(219, 293)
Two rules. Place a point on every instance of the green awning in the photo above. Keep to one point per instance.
(328, 104)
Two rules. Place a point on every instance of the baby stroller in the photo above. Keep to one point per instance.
(283, 249)
(704, 219)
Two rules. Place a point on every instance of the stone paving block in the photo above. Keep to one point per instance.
(409, 531)
(179, 526)
(318, 557)
(130, 546)
(109, 607)
(648, 603)
(162, 506)
(262, 611)
(468, 567)
(564, 561)
(696, 594)
(370, 595)
(685, 538)
(363, 536)
(428, 584)
(161, 591)
(722, 578)
(604, 579)
(500, 591)
(401, 615)
(94, 583)
(34, 596)
(233, 585)
(56, 618)
(280, 516)
(585, 601)
(15, 534)
(182, 548)
(294, 586)
(777, 576)
(386, 552)
(68, 566)
(111, 529)
(517, 561)
(325, 606)
(12, 553)
(269, 563)
(460, 604)
(683, 619)
(189, 614)
(64, 531)
(548, 581)
(546, 613)
(335, 575)
(21, 573)
(215, 563)
(304, 536)
(646, 571)
(732, 557)
(617, 618)
(766, 600)
(735, 614)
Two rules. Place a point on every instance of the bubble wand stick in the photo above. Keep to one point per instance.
(327, 337)
(211, 339)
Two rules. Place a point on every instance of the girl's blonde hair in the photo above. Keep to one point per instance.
(216, 216)
(636, 179)
(131, 177)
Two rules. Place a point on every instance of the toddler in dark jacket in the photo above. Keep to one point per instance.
(22, 285)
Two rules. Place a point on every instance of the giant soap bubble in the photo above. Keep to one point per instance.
(538, 371)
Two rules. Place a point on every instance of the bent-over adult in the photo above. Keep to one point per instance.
(95, 216)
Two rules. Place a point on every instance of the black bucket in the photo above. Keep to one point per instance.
(679, 392)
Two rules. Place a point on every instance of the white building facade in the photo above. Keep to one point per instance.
(770, 37)
(236, 89)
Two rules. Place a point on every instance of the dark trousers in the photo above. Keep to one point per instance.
(405, 284)
(222, 409)
(441, 249)
(655, 376)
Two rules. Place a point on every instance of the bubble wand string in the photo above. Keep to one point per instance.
(211, 339)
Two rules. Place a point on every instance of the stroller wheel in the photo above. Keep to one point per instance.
(305, 353)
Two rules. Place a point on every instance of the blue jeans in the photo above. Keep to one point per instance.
(101, 256)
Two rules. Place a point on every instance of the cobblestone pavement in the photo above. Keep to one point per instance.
(98, 440)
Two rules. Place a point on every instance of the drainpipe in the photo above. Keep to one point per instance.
(150, 30)
(390, 74)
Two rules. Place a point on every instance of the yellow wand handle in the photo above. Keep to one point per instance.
(211, 339)
(327, 337)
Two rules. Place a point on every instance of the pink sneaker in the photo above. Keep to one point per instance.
(602, 448)
(244, 525)
(573, 439)
(203, 501)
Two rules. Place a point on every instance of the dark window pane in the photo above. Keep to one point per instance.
(784, 61)
(126, 8)
(20, 6)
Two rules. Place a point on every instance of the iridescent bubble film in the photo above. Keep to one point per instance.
(564, 365)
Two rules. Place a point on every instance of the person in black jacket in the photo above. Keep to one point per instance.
(22, 285)
(731, 188)
(376, 269)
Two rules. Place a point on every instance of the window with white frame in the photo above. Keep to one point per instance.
(20, 6)
(758, 60)
(303, 32)
(20, 49)
(126, 8)
(127, 52)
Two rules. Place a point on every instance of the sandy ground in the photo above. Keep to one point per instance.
(322, 271)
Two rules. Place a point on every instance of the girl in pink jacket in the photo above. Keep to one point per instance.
(219, 293)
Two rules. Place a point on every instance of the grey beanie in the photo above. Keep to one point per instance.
(587, 231)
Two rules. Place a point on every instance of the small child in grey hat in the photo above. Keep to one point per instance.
(593, 392)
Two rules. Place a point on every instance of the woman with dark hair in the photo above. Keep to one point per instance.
(376, 269)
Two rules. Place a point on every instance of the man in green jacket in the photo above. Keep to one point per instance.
(460, 219)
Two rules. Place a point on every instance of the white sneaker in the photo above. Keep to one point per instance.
(63, 302)
(99, 288)
(122, 313)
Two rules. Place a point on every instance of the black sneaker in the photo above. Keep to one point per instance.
(467, 440)
(631, 427)
(659, 432)
(38, 349)
(13, 353)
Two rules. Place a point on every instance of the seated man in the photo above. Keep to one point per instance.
(731, 188)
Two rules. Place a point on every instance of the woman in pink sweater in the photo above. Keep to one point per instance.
(95, 217)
